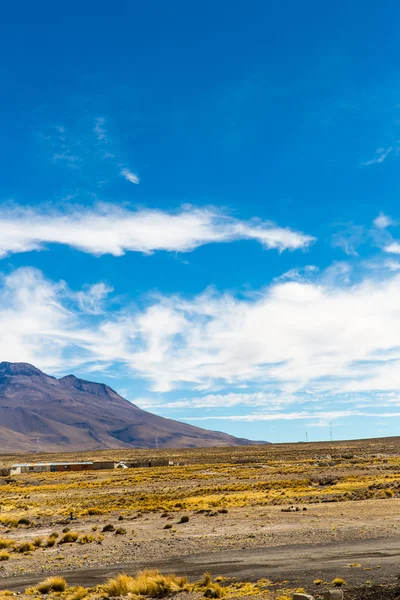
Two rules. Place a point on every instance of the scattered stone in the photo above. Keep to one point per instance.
(299, 596)
(333, 595)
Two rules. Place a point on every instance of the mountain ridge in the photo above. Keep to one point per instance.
(39, 411)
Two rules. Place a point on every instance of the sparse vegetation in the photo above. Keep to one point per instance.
(147, 583)
(52, 584)
(184, 519)
(69, 537)
(120, 531)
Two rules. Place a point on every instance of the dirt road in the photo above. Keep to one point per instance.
(299, 565)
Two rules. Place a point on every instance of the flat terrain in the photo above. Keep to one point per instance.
(290, 513)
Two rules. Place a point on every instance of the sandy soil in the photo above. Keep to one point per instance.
(245, 534)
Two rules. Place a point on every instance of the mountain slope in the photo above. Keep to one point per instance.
(41, 412)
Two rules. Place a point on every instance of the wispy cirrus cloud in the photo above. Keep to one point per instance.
(324, 416)
(381, 156)
(110, 229)
(129, 176)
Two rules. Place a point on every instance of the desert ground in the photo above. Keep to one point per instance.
(262, 521)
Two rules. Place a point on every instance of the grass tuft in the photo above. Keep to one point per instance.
(52, 584)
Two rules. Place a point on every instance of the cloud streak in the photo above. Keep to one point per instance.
(129, 176)
(109, 229)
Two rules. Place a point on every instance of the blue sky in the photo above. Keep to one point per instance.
(199, 206)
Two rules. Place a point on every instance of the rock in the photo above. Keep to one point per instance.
(299, 596)
(333, 595)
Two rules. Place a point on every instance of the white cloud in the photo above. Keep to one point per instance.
(381, 155)
(292, 342)
(129, 176)
(91, 299)
(382, 221)
(217, 401)
(108, 229)
(393, 248)
(324, 416)
(100, 130)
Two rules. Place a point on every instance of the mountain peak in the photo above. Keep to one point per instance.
(19, 368)
(74, 414)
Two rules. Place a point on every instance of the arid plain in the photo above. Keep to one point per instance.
(262, 520)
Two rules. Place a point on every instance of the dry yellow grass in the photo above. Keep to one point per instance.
(52, 584)
(146, 583)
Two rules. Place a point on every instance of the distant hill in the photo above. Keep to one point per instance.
(39, 412)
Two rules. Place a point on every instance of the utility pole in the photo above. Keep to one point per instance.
(330, 431)
(306, 436)
(156, 442)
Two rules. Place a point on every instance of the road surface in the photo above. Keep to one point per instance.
(296, 564)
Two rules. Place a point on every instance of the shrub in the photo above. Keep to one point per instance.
(184, 519)
(4, 543)
(168, 526)
(88, 538)
(120, 518)
(79, 593)
(37, 542)
(52, 584)
(338, 582)
(24, 521)
(109, 527)
(69, 537)
(66, 529)
(54, 535)
(118, 586)
(146, 583)
(25, 547)
(223, 511)
(120, 531)
(4, 555)
(51, 542)
(95, 510)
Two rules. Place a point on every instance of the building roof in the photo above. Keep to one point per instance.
(51, 464)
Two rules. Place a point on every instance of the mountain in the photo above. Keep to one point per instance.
(38, 411)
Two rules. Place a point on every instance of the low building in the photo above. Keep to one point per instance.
(4, 472)
(104, 464)
(148, 462)
(50, 467)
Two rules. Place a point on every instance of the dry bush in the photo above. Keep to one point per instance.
(6, 543)
(52, 584)
(95, 510)
(51, 542)
(78, 593)
(146, 583)
(87, 538)
(109, 527)
(38, 542)
(24, 547)
(120, 531)
(69, 537)
(184, 519)
(4, 555)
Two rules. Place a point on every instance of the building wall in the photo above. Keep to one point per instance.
(104, 464)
